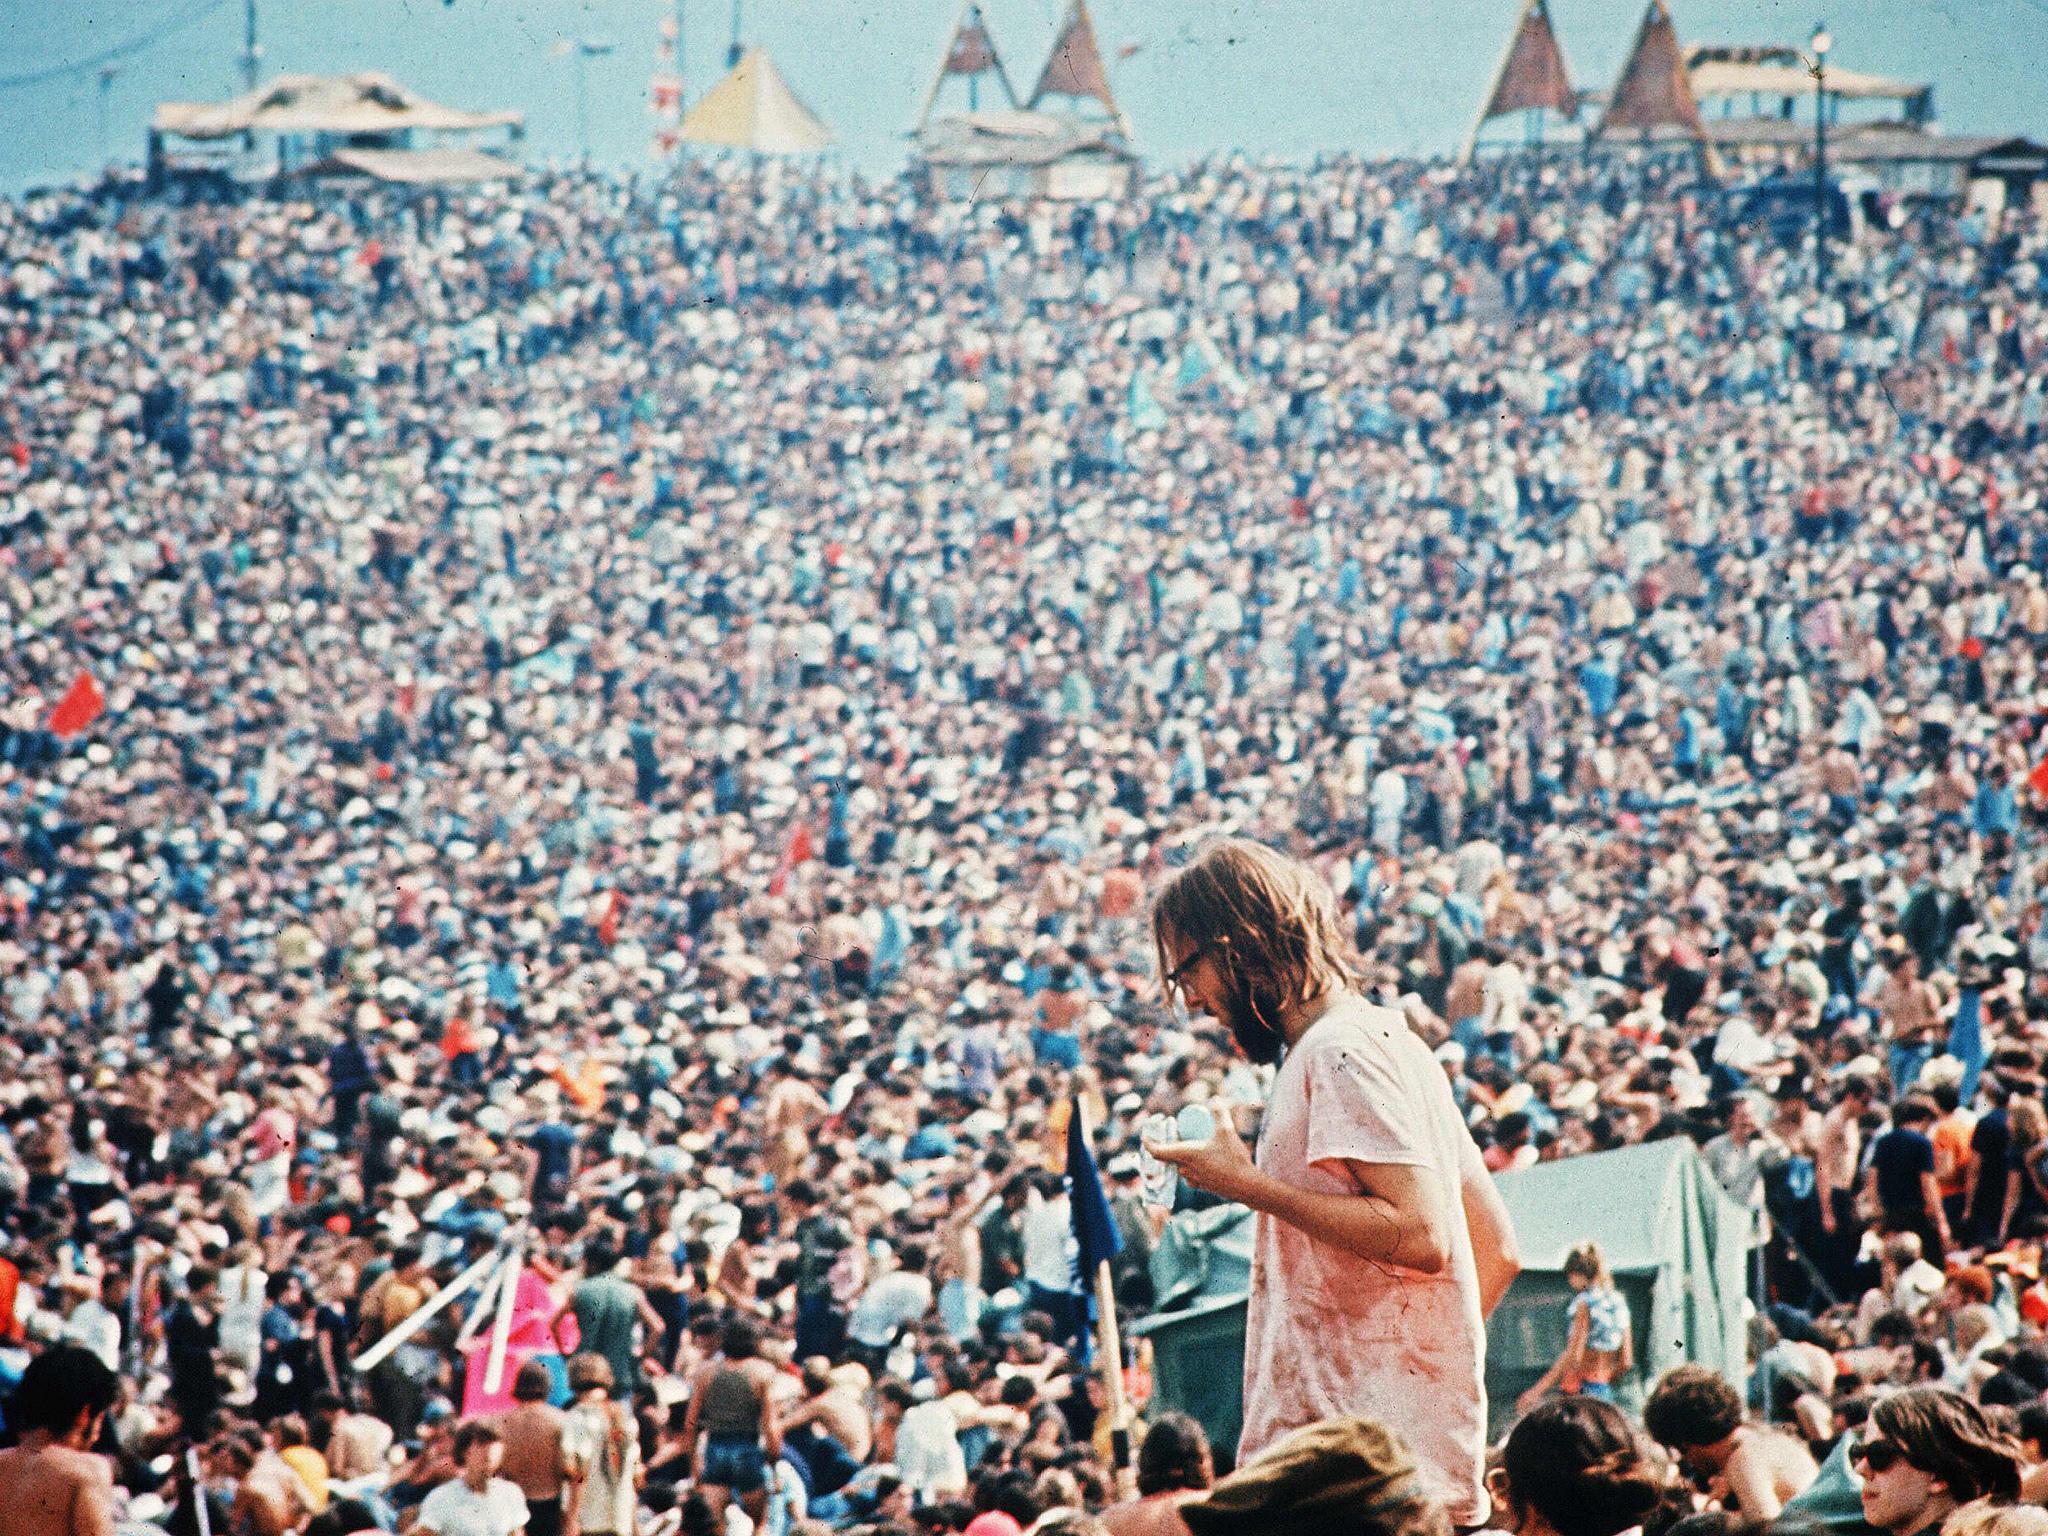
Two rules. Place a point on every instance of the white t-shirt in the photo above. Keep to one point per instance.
(93, 1326)
(1327, 1334)
(456, 1509)
(609, 1476)
(928, 1452)
(1047, 1229)
(884, 1307)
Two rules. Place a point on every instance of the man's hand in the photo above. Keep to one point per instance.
(1221, 1165)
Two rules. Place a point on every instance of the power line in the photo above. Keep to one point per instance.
(149, 39)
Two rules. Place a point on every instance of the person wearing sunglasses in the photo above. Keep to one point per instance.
(1924, 1454)
(1380, 1243)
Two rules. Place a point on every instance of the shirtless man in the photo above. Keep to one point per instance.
(532, 1434)
(833, 1404)
(792, 1113)
(1841, 779)
(52, 1484)
(732, 1409)
(1752, 1470)
(1906, 1005)
(1465, 1000)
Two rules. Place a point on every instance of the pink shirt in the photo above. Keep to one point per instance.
(273, 1134)
(1327, 1334)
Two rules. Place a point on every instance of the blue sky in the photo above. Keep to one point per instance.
(1282, 77)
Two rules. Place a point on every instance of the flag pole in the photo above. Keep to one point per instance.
(202, 1516)
(480, 1309)
(1096, 1237)
(374, 1356)
(1109, 1350)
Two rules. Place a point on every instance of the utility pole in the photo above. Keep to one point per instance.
(107, 73)
(586, 50)
(732, 54)
(1821, 44)
(250, 52)
(682, 80)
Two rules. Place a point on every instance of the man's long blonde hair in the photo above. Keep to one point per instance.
(1269, 925)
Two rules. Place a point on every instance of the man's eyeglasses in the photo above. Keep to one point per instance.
(1878, 1455)
(1174, 977)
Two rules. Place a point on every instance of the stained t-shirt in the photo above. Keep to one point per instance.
(1327, 1334)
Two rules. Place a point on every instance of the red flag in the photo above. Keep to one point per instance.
(798, 852)
(79, 707)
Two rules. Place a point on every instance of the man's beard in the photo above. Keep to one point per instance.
(1261, 1043)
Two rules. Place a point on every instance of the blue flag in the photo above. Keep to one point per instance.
(1094, 1227)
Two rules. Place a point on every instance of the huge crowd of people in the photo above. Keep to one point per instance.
(640, 720)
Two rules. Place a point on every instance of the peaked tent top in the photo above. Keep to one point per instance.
(754, 108)
(1533, 73)
(1655, 88)
(1074, 67)
(972, 50)
(970, 54)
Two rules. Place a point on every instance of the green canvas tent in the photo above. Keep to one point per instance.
(1677, 1244)
(1201, 1269)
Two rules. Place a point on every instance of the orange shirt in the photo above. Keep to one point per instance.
(1951, 1139)
(460, 1038)
(585, 1086)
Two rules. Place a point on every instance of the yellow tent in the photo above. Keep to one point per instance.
(754, 108)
